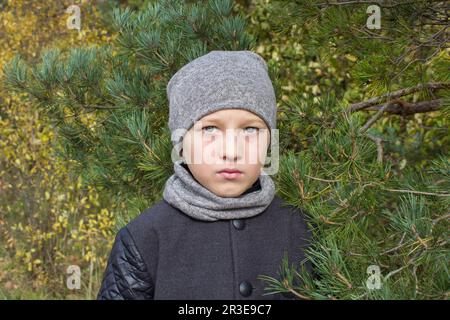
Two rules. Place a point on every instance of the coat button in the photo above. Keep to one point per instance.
(245, 288)
(239, 224)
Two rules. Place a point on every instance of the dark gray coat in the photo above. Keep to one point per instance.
(165, 254)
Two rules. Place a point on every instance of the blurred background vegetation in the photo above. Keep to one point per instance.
(47, 220)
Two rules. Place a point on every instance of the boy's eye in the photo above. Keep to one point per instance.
(252, 131)
(210, 129)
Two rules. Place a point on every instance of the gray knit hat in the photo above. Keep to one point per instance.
(220, 80)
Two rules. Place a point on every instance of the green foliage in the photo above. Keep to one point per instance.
(372, 196)
(108, 103)
(47, 221)
(374, 187)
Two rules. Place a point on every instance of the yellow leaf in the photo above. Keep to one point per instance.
(351, 57)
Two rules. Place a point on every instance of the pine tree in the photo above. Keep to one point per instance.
(365, 143)
(377, 197)
(109, 105)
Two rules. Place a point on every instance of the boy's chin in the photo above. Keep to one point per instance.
(228, 192)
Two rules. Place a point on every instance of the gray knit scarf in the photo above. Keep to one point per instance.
(184, 192)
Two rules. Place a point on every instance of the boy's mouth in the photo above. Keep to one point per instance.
(230, 173)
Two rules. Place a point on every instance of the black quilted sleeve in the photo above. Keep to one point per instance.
(126, 276)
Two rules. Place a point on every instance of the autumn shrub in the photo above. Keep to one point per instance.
(48, 218)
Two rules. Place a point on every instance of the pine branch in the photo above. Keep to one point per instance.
(381, 3)
(396, 94)
(405, 108)
(379, 142)
(374, 119)
(443, 194)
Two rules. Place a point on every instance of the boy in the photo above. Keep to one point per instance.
(220, 224)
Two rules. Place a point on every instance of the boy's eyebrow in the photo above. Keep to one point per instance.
(245, 121)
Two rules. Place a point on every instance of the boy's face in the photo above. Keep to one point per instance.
(227, 139)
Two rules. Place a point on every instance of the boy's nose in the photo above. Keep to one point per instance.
(231, 146)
